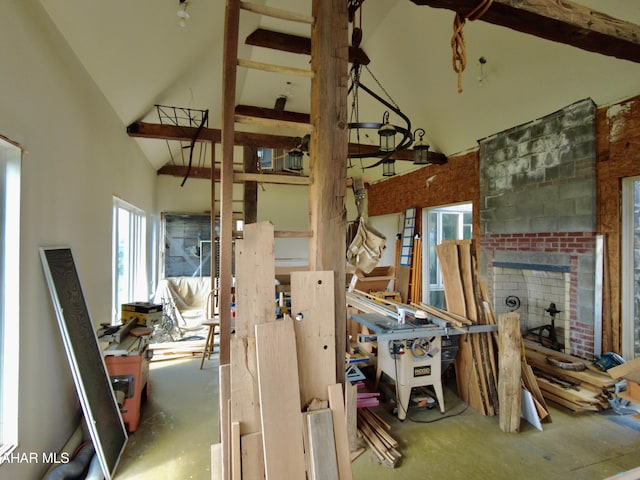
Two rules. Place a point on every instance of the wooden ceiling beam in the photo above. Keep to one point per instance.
(212, 135)
(560, 21)
(286, 42)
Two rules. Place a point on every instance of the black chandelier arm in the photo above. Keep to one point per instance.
(390, 106)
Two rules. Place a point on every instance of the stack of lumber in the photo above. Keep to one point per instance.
(375, 432)
(579, 391)
(280, 385)
(475, 363)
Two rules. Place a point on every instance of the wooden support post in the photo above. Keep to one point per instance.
(509, 386)
(329, 143)
(232, 14)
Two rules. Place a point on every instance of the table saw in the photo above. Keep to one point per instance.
(413, 350)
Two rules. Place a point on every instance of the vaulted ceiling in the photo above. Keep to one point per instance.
(139, 56)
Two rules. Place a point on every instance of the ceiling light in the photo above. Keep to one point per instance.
(294, 159)
(388, 168)
(420, 149)
(183, 15)
(393, 137)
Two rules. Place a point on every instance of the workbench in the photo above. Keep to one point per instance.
(412, 351)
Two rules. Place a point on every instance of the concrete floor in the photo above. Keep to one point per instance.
(179, 423)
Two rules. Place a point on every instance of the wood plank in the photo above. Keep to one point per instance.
(273, 123)
(454, 289)
(351, 411)
(245, 405)
(559, 21)
(312, 296)
(236, 454)
(274, 178)
(337, 406)
(536, 358)
(276, 12)
(255, 274)
(466, 276)
(279, 389)
(273, 68)
(225, 422)
(509, 389)
(216, 461)
(321, 453)
(252, 456)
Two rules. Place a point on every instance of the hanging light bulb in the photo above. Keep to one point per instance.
(183, 15)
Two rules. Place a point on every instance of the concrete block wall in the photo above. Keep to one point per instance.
(537, 200)
(540, 177)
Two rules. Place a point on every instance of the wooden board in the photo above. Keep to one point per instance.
(236, 457)
(281, 417)
(337, 406)
(245, 399)
(454, 291)
(216, 461)
(509, 389)
(351, 411)
(255, 278)
(224, 406)
(322, 462)
(312, 295)
(252, 456)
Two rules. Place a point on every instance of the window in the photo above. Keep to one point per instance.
(10, 156)
(129, 256)
(444, 223)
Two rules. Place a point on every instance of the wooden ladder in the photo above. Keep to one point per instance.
(326, 189)
(233, 427)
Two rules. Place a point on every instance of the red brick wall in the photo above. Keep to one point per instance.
(431, 186)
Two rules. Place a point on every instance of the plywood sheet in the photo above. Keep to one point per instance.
(312, 299)
(281, 416)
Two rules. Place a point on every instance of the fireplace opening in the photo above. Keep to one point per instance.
(541, 294)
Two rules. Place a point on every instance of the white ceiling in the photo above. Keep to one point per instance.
(139, 56)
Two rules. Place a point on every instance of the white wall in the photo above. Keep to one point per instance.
(78, 157)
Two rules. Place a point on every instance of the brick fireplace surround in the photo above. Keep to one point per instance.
(570, 252)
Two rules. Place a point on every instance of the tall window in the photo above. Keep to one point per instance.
(129, 256)
(444, 223)
(9, 293)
